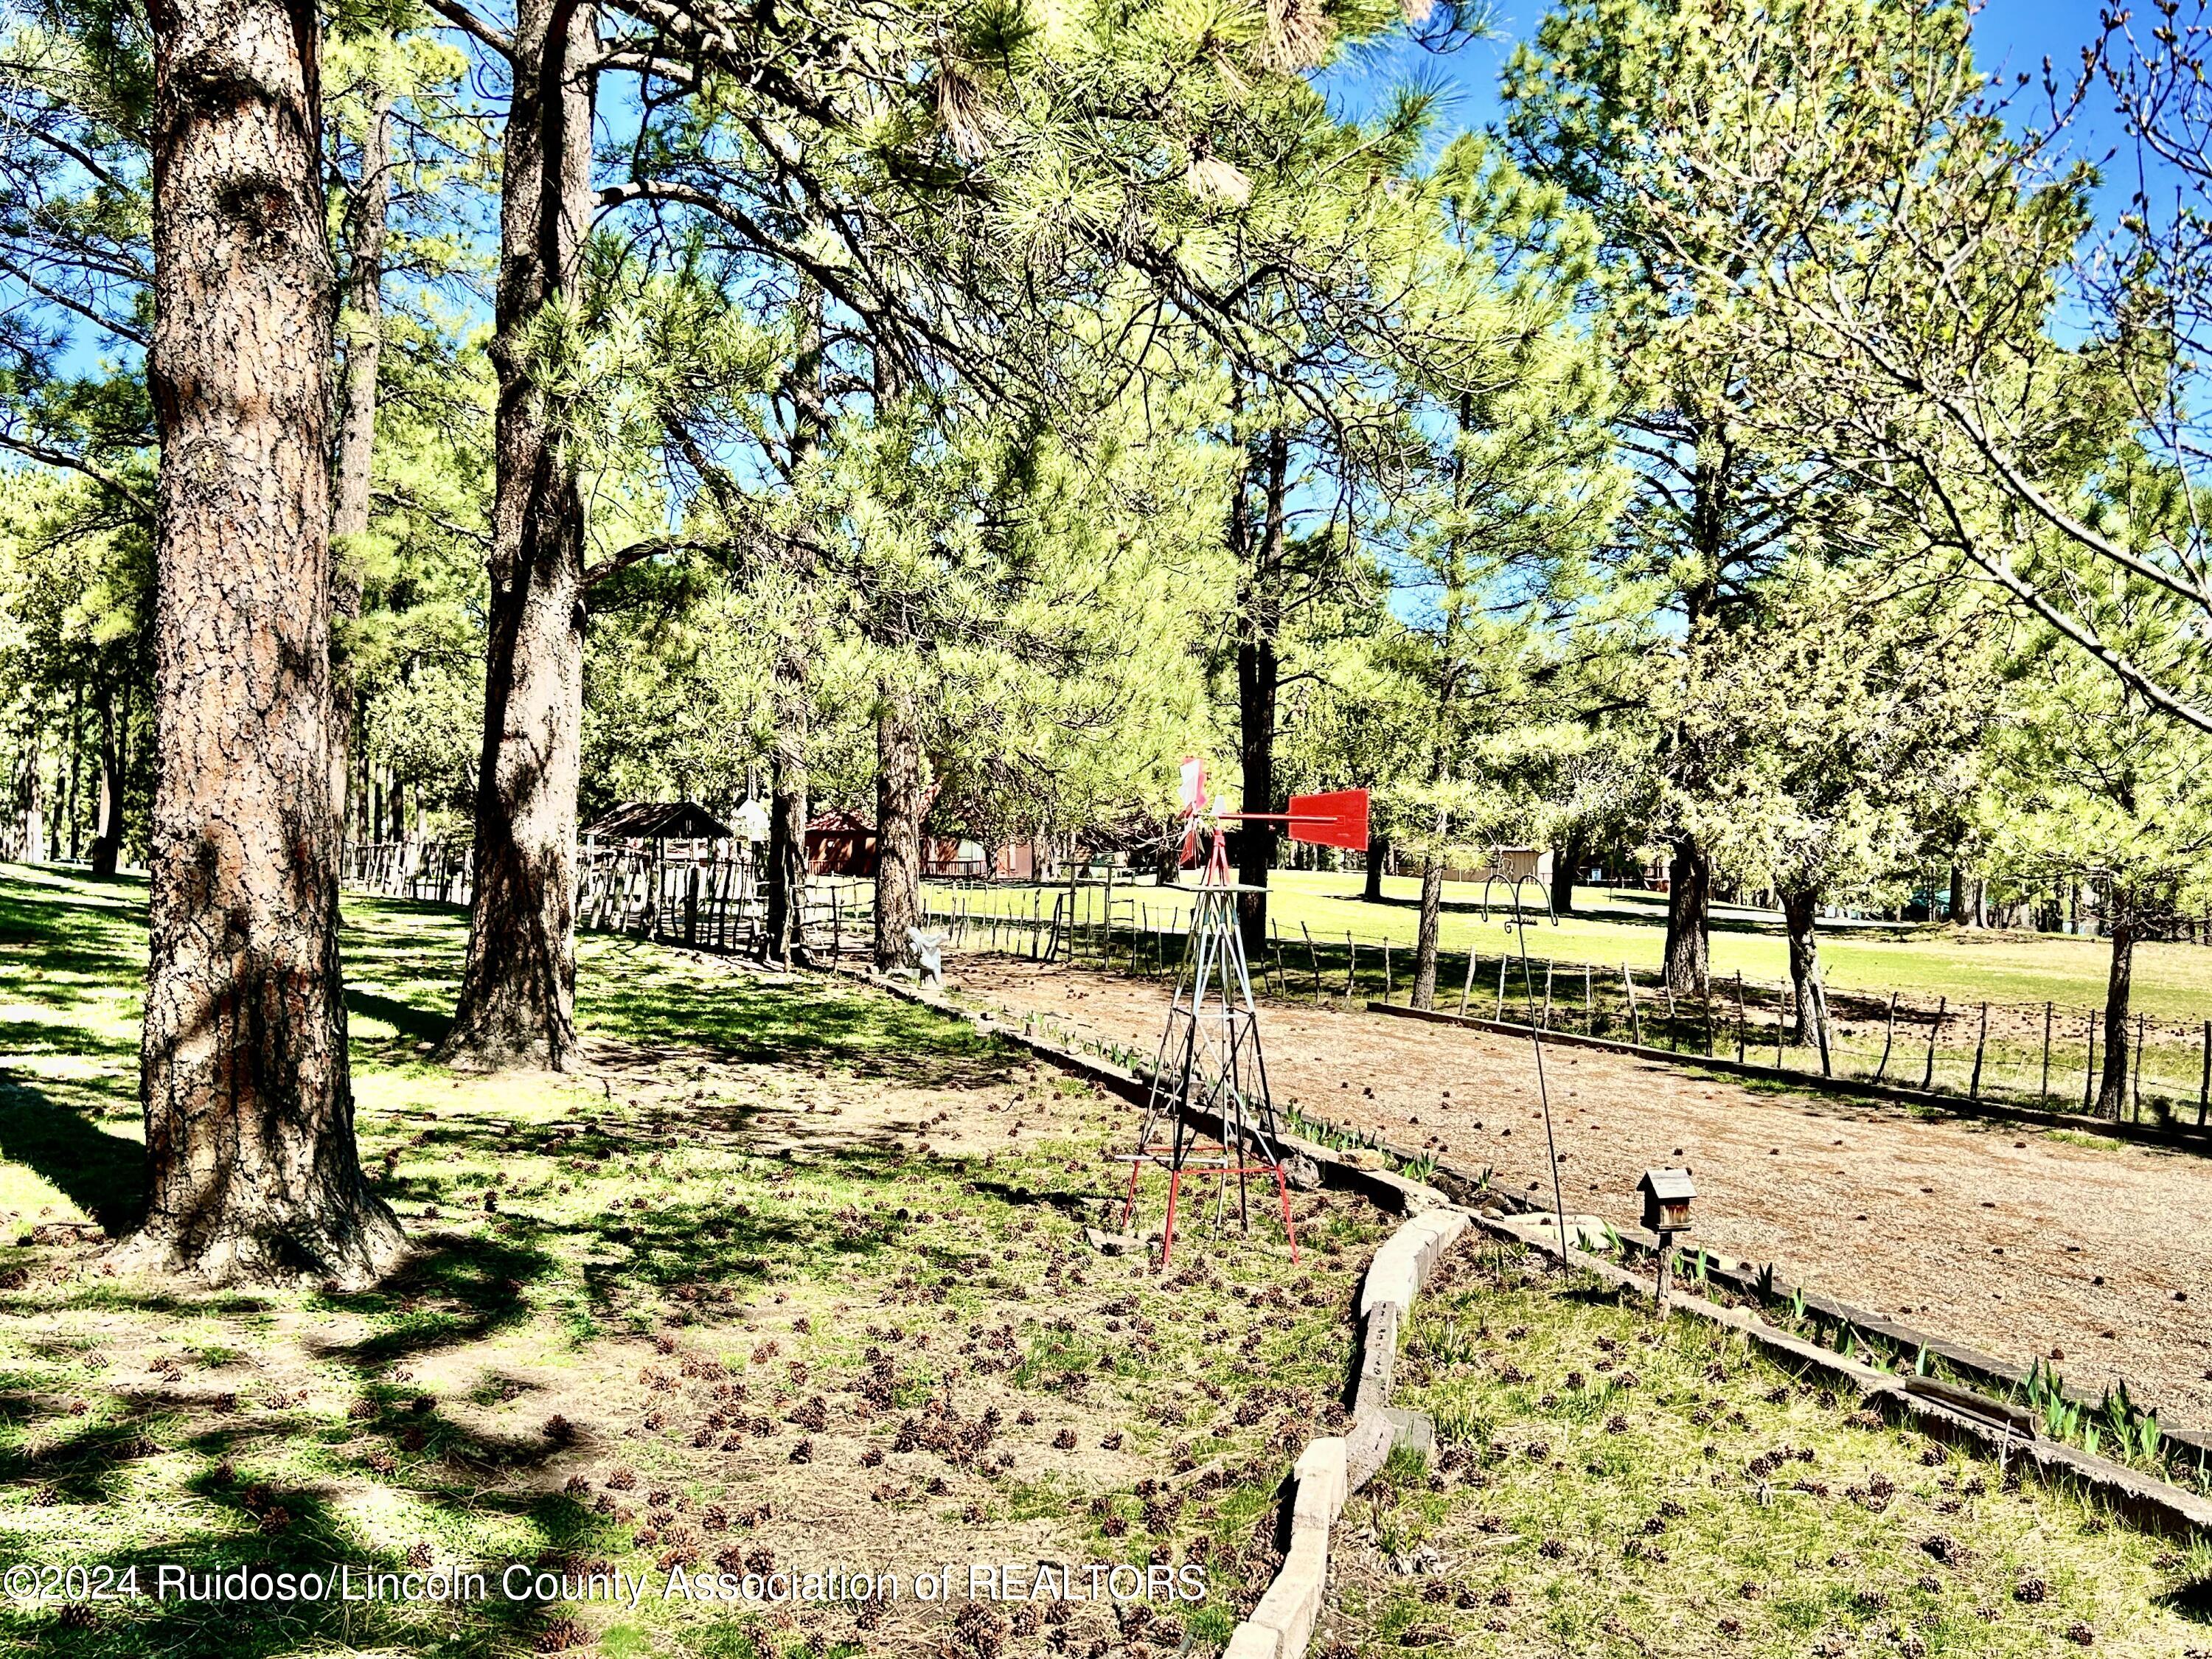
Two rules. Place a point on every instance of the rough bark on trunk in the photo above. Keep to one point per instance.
(1566, 860)
(2119, 984)
(785, 939)
(360, 339)
(252, 1169)
(30, 811)
(1378, 853)
(901, 798)
(1433, 905)
(108, 839)
(1259, 679)
(1801, 910)
(517, 997)
(1689, 904)
(75, 766)
(791, 693)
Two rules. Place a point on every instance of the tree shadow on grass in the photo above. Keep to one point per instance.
(103, 1175)
(2191, 1600)
(479, 1286)
(283, 1528)
(405, 1019)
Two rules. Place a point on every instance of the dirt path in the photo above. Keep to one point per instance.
(2009, 1239)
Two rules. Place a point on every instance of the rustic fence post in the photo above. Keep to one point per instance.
(2204, 1088)
(1674, 1037)
(1981, 1046)
(2134, 1077)
(2089, 1072)
(1351, 963)
(1386, 968)
(1888, 1038)
(1635, 1019)
(1466, 989)
(1545, 1022)
(1740, 1032)
(1502, 960)
(2043, 1093)
(1935, 1031)
(1313, 961)
(1782, 1021)
(1589, 1006)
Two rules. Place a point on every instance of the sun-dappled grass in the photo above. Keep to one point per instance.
(793, 1274)
(791, 1271)
(1610, 1486)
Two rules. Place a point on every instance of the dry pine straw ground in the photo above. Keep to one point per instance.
(1612, 1489)
(827, 1306)
(2025, 1244)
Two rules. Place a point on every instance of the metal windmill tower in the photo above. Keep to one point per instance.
(1210, 1111)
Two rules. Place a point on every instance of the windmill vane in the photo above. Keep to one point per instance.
(1210, 1110)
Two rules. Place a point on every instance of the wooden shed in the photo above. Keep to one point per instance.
(841, 844)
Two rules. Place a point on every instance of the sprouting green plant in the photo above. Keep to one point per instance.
(1449, 1343)
(2135, 1430)
(1698, 1263)
(1797, 1305)
(1423, 1167)
(1765, 1283)
(1920, 1360)
(2062, 1418)
(1612, 1236)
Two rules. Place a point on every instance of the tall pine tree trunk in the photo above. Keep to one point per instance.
(360, 329)
(2119, 985)
(1432, 906)
(1566, 862)
(1259, 680)
(1689, 906)
(791, 691)
(252, 1169)
(785, 936)
(107, 836)
(902, 800)
(1801, 911)
(1378, 854)
(518, 987)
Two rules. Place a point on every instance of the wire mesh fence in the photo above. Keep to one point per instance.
(2049, 1055)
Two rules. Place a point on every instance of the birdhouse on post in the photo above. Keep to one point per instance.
(1667, 1195)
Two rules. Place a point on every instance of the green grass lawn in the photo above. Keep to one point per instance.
(794, 1275)
(2171, 982)
(1615, 1489)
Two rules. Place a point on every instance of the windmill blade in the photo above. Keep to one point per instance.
(1337, 819)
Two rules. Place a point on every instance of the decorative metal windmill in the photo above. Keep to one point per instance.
(1210, 1110)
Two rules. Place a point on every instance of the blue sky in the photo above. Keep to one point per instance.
(2013, 36)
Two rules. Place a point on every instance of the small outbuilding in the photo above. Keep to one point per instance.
(841, 844)
(658, 820)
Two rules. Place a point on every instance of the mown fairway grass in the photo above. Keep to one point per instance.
(2171, 982)
(793, 1275)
